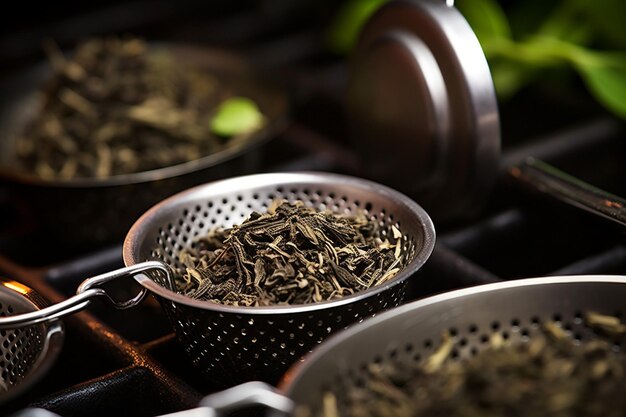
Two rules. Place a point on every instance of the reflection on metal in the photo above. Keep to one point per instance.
(16, 286)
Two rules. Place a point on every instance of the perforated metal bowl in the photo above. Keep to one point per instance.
(241, 343)
(410, 333)
(236, 344)
(25, 353)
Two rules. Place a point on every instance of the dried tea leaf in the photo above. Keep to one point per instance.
(330, 405)
(292, 254)
(434, 361)
(610, 325)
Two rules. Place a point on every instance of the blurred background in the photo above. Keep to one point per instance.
(559, 70)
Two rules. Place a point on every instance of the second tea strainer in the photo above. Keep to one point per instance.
(25, 353)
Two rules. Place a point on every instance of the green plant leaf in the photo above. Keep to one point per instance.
(607, 18)
(486, 18)
(236, 116)
(344, 30)
(605, 77)
(509, 77)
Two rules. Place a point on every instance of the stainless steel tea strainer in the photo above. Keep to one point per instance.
(410, 333)
(25, 353)
(236, 344)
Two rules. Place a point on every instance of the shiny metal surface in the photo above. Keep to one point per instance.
(409, 333)
(27, 353)
(422, 105)
(237, 398)
(246, 395)
(244, 343)
(554, 183)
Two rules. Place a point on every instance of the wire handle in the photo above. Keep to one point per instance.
(87, 290)
(238, 397)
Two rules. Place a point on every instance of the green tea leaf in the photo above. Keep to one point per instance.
(236, 116)
(606, 79)
(347, 23)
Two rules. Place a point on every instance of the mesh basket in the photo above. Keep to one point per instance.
(25, 353)
(235, 344)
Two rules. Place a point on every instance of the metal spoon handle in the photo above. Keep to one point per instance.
(564, 187)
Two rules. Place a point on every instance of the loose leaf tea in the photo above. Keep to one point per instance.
(118, 107)
(292, 254)
(550, 375)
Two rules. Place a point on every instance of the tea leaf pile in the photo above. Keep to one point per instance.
(118, 107)
(290, 255)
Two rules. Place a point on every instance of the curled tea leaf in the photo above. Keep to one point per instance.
(610, 325)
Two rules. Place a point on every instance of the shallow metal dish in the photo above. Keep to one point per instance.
(84, 211)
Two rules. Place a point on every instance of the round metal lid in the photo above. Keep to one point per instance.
(422, 107)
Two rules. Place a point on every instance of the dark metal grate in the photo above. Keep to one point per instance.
(128, 362)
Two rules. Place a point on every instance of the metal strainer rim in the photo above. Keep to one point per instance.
(131, 243)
